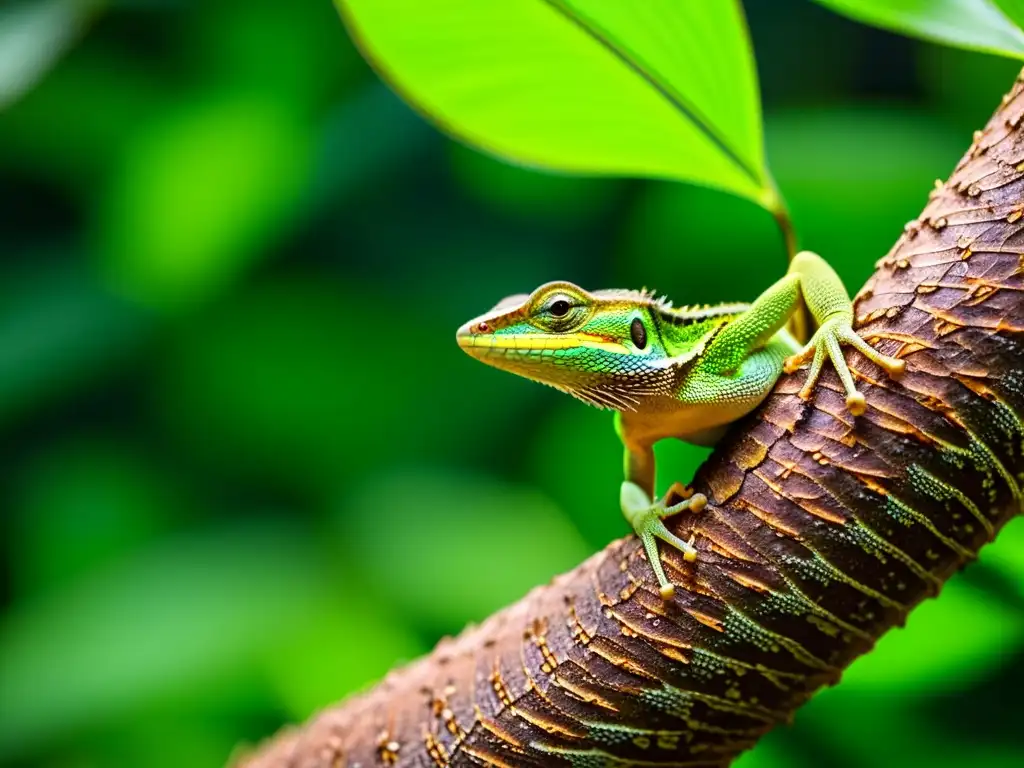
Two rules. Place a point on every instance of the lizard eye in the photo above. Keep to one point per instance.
(559, 308)
(559, 311)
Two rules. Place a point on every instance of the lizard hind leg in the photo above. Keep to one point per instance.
(646, 518)
(832, 309)
(826, 342)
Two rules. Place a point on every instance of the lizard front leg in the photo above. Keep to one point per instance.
(832, 310)
(647, 516)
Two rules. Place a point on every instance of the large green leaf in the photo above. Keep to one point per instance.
(660, 88)
(976, 24)
(1014, 9)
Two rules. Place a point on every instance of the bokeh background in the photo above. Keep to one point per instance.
(245, 467)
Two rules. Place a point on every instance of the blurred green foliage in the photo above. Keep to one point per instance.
(246, 468)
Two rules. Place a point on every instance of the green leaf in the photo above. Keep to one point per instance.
(658, 89)
(975, 24)
(1014, 9)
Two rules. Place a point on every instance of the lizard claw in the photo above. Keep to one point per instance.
(826, 342)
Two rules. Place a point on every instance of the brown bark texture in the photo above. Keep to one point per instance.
(822, 531)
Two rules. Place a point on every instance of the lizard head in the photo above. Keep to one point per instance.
(602, 347)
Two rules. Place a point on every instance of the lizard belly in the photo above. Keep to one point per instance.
(694, 423)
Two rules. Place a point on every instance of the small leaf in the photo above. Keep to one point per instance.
(657, 89)
(975, 24)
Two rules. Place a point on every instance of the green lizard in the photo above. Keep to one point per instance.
(684, 372)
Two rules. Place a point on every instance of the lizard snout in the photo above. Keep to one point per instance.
(474, 334)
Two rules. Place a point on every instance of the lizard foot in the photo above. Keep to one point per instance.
(646, 518)
(827, 341)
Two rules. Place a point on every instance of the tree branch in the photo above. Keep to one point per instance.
(822, 532)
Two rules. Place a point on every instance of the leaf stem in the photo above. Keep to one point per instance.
(799, 323)
(776, 206)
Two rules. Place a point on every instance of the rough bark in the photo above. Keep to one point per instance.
(822, 532)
